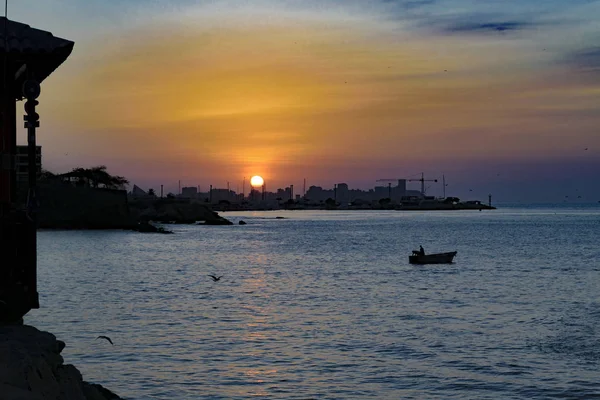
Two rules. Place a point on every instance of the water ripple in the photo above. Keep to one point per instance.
(325, 305)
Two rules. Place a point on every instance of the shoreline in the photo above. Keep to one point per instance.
(32, 368)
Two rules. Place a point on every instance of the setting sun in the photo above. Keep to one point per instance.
(257, 181)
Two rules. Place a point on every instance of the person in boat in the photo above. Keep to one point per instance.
(421, 251)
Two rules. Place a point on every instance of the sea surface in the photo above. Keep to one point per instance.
(324, 305)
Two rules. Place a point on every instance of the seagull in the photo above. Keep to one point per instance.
(585, 149)
(106, 338)
(215, 278)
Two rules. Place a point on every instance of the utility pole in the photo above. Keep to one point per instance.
(304, 189)
(161, 191)
(335, 192)
(490, 200)
(210, 195)
(444, 184)
(244, 188)
(179, 187)
(390, 190)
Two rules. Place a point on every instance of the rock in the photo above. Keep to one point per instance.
(173, 211)
(242, 223)
(32, 368)
(94, 391)
(146, 227)
(219, 221)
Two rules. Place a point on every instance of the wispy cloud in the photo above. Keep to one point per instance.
(487, 27)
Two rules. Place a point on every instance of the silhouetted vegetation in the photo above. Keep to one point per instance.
(96, 177)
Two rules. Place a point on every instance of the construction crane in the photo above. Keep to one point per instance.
(389, 185)
(422, 180)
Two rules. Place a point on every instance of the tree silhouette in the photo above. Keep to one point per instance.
(151, 192)
(385, 202)
(98, 177)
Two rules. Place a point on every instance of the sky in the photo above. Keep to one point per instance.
(500, 97)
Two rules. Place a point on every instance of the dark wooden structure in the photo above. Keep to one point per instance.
(27, 57)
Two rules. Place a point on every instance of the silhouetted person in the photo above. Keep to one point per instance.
(421, 251)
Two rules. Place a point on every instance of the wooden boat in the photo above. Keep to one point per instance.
(438, 258)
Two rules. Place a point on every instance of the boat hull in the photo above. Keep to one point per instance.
(439, 258)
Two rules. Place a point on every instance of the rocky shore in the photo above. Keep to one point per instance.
(174, 211)
(63, 206)
(31, 368)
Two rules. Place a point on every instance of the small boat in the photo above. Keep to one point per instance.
(438, 258)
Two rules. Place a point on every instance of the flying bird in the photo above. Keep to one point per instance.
(585, 149)
(105, 338)
(215, 278)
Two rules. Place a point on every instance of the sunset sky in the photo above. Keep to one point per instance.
(502, 97)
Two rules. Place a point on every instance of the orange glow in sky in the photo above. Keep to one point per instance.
(209, 94)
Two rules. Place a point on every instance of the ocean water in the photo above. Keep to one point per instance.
(325, 305)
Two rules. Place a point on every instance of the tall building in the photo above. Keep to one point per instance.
(22, 163)
(342, 193)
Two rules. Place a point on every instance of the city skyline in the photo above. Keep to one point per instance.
(436, 189)
(501, 98)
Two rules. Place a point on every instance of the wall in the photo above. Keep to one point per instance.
(63, 206)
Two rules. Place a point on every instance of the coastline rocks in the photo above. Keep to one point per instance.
(219, 221)
(172, 211)
(147, 227)
(31, 368)
(242, 223)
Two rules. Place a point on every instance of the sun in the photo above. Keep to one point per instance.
(257, 181)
